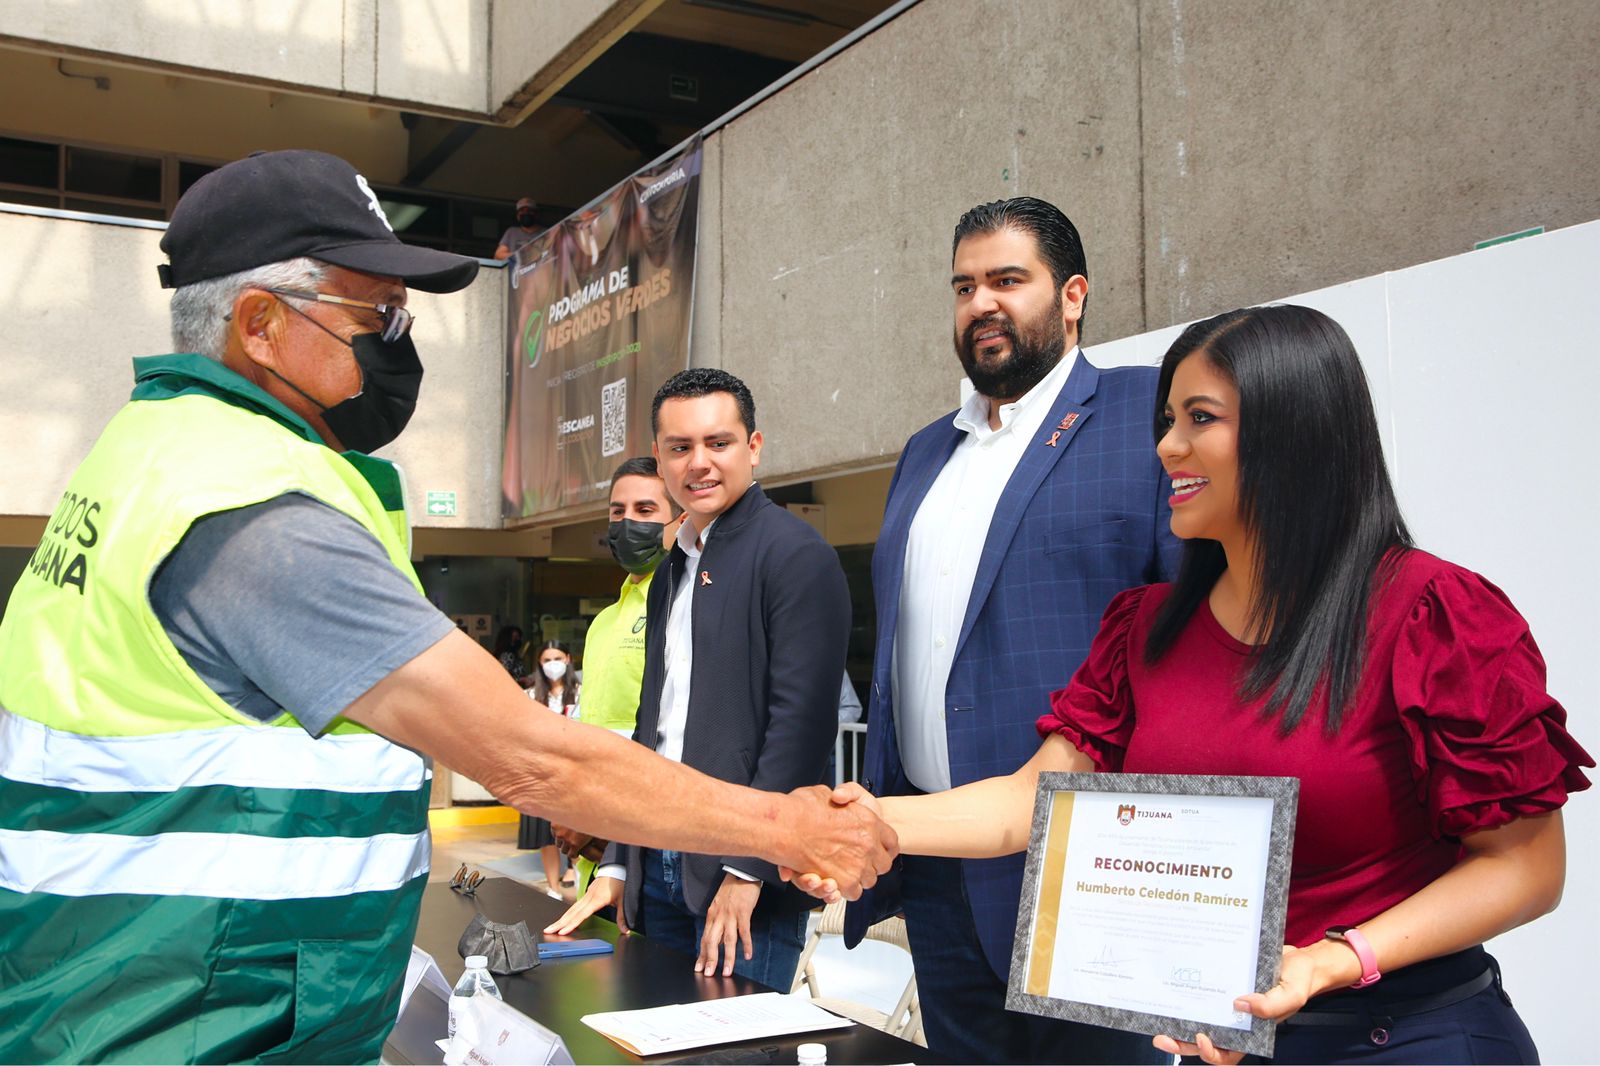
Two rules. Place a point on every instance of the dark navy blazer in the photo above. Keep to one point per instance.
(1083, 517)
(770, 621)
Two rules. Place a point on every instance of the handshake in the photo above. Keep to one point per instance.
(832, 870)
(834, 846)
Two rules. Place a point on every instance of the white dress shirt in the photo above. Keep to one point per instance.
(942, 553)
(673, 718)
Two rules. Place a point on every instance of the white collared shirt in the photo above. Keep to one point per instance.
(942, 553)
(673, 718)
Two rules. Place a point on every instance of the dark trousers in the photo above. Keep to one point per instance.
(963, 1002)
(777, 936)
(1482, 1028)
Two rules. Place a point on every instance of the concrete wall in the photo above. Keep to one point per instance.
(536, 49)
(838, 196)
(462, 58)
(80, 299)
(299, 44)
(453, 441)
(435, 51)
(144, 111)
(1291, 146)
(1211, 155)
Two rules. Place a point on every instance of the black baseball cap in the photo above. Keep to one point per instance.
(272, 206)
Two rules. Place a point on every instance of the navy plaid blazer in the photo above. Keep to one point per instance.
(1084, 516)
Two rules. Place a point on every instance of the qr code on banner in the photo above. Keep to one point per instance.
(614, 417)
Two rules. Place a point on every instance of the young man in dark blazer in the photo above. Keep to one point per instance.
(750, 616)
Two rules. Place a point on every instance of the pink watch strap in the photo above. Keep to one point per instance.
(1364, 952)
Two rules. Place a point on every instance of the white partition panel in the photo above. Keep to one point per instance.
(1485, 371)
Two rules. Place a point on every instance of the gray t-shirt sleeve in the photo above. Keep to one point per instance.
(290, 605)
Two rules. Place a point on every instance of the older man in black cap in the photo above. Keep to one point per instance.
(216, 679)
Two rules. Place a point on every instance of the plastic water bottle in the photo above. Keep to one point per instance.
(474, 982)
(812, 1054)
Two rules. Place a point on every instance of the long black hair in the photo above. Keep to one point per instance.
(541, 684)
(1314, 495)
(509, 639)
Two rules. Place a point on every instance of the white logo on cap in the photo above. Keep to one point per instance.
(372, 202)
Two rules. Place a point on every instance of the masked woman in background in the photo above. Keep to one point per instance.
(554, 686)
(1306, 636)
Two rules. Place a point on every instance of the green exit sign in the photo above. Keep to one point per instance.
(1517, 236)
(441, 504)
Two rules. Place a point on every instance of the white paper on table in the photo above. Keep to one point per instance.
(422, 968)
(488, 1033)
(656, 1030)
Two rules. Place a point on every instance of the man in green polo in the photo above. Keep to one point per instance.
(218, 677)
(613, 648)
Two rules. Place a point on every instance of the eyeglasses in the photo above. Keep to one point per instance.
(396, 319)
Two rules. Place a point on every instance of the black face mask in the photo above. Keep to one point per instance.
(391, 376)
(525, 219)
(636, 546)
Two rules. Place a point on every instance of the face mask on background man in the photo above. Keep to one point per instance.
(636, 546)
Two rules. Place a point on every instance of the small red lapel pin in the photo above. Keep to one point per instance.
(1066, 423)
(705, 578)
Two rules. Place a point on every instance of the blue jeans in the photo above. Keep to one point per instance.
(964, 1004)
(777, 936)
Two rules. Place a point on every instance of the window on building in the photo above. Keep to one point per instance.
(104, 180)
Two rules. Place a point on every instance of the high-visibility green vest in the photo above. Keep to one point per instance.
(613, 671)
(178, 881)
(613, 658)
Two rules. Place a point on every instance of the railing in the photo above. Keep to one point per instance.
(856, 745)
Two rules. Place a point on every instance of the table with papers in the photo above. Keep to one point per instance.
(561, 992)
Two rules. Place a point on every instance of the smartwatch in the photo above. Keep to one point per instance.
(1349, 934)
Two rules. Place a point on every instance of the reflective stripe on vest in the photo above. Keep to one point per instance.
(236, 756)
(221, 865)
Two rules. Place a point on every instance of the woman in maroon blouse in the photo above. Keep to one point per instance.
(1306, 637)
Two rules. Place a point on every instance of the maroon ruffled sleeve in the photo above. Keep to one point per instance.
(1095, 710)
(1488, 743)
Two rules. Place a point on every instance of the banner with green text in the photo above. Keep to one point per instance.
(598, 318)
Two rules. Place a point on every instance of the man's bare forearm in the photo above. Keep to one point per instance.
(593, 780)
(456, 703)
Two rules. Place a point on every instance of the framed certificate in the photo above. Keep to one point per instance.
(1150, 902)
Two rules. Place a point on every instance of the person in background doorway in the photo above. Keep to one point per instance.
(553, 685)
(526, 229)
(508, 648)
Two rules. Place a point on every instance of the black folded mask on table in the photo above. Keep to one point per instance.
(509, 948)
